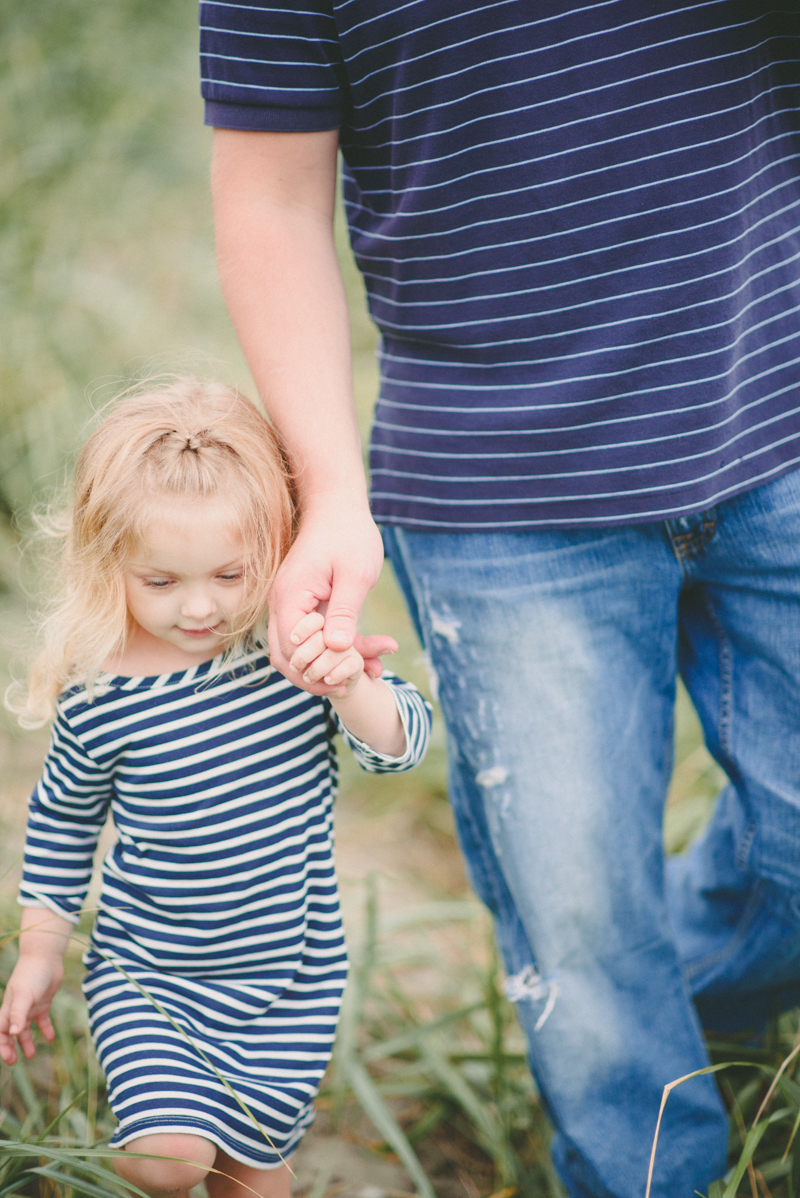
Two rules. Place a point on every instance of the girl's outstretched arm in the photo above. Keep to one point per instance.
(36, 977)
(365, 705)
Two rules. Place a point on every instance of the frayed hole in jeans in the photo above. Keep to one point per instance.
(530, 986)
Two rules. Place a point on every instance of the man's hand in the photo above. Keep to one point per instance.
(331, 567)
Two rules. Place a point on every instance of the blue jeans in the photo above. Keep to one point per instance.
(556, 655)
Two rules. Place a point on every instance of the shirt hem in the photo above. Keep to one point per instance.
(147, 1126)
(264, 118)
(409, 518)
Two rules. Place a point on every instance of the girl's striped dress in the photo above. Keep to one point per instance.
(217, 960)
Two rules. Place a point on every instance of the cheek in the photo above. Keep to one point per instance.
(141, 604)
(236, 598)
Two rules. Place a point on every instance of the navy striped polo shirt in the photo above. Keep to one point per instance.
(578, 226)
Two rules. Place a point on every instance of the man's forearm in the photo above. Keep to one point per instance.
(273, 204)
(273, 200)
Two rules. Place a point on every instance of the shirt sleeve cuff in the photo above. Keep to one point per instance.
(257, 118)
(371, 756)
(27, 900)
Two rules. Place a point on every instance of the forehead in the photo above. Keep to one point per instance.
(188, 532)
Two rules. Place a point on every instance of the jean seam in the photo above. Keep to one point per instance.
(700, 964)
(402, 548)
(725, 679)
(744, 845)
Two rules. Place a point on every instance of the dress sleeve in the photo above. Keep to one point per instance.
(66, 815)
(415, 714)
(271, 65)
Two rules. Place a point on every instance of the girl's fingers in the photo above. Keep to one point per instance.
(45, 1026)
(304, 628)
(7, 1053)
(331, 664)
(344, 671)
(26, 1043)
(308, 651)
(320, 666)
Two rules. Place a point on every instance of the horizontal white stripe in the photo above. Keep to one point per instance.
(618, 494)
(476, 146)
(687, 331)
(259, 87)
(584, 202)
(540, 76)
(501, 480)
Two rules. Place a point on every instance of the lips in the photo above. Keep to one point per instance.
(198, 632)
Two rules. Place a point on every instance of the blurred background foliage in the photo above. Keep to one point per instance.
(106, 275)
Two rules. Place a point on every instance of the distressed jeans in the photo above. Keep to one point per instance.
(556, 655)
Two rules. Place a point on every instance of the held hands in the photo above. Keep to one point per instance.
(364, 704)
(334, 561)
(339, 671)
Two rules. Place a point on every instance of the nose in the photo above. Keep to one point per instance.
(198, 604)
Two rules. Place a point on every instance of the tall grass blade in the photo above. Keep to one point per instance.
(670, 1086)
(751, 1143)
(367, 1094)
(74, 1158)
(415, 1037)
(59, 1116)
(784, 1066)
(22, 1080)
(460, 1090)
(80, 1184)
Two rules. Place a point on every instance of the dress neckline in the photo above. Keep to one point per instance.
(221, 664)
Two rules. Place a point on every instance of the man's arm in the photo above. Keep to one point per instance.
(273, 204)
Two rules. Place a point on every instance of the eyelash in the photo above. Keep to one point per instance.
(162, 584)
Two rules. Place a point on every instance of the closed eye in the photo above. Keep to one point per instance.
(158, 583)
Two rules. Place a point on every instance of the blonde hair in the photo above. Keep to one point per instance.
(185, 437)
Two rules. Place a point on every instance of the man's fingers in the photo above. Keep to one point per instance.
(341, 618)
(374, 646)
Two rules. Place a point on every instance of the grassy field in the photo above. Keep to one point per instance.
(107, 274)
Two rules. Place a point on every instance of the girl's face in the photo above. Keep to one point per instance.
(185, 585)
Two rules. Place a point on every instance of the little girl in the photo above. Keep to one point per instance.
(217, 961)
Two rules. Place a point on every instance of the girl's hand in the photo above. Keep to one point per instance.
(27, 999)
(364, 704)
(36, 977)
(316, 663)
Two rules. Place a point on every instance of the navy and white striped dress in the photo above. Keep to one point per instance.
(219, 897)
